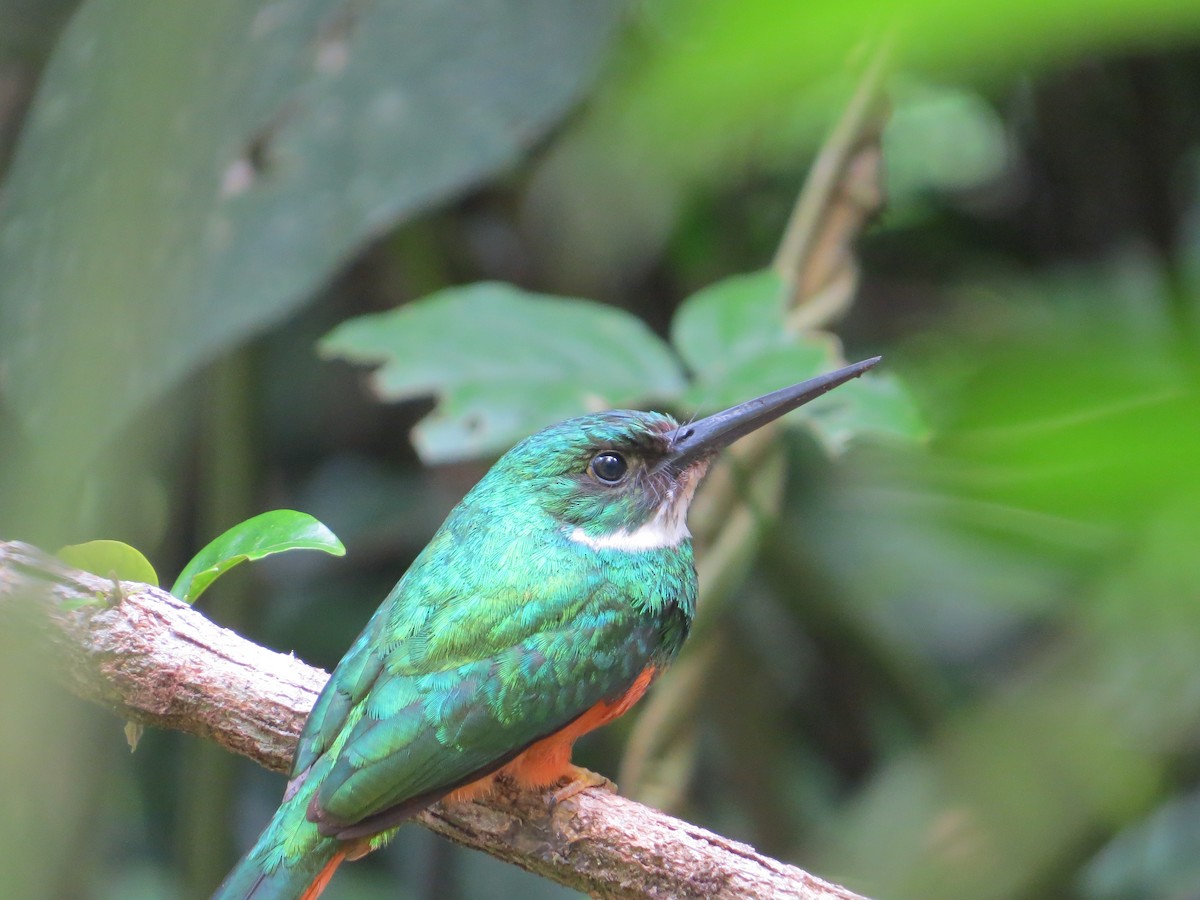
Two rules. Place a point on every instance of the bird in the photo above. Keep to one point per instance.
(544, 606)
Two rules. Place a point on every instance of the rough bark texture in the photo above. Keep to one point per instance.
(154, 660)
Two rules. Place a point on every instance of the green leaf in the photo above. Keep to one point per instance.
(727, 322)
(191, 172)
(733, 336)
(110, 559)
(503, 363)
(263, 535)
(771, 369)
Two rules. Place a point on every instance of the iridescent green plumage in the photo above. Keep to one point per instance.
(557, 587)
(503, 631)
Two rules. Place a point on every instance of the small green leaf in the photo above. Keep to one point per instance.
(503, 363)
(110, 559)
(263, 535)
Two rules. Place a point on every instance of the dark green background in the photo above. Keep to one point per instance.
(960, 668)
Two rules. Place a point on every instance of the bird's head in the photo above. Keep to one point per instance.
(624, 479)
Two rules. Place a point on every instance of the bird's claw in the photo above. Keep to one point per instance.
(580, 780)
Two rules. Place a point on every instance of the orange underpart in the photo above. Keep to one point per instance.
(549, 760)
(476, 790)
(349, 852)
(318, 885)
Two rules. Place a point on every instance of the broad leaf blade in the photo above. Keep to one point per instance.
(192, 171)
(263, 535)
(503, 363)
(110, 559)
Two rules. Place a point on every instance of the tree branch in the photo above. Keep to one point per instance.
(152, 659)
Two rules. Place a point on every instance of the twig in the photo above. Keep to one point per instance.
(843, 192)
(150, 658)
(815, 259)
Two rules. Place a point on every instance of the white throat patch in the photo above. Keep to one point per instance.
(668, 528)
(659, 533)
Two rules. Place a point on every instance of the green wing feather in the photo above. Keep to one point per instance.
(422, 730)
(452, 677)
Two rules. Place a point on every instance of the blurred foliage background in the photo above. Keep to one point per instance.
(964, 666)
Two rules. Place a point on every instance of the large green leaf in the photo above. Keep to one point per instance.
(503, 363)
(192, 171)
(257, 537)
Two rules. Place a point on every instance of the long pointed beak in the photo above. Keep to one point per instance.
(697, 440)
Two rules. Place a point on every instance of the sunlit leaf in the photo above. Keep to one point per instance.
(110, 559)
(503, 363)
(263, 535)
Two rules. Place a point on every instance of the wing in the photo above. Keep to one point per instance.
(443, 687)
(347, 686)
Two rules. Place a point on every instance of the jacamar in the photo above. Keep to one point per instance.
(544, 606)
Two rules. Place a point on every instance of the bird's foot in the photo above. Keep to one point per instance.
(580, 779)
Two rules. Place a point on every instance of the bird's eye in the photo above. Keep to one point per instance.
(609, 467)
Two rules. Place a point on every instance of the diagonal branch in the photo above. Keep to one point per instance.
(152, 659)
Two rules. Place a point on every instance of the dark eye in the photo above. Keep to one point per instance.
(609, 467)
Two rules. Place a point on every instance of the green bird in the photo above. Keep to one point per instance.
(544, 606)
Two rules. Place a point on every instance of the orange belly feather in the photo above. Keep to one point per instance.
(549, 760)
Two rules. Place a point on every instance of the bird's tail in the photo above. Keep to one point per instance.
(289, 861)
